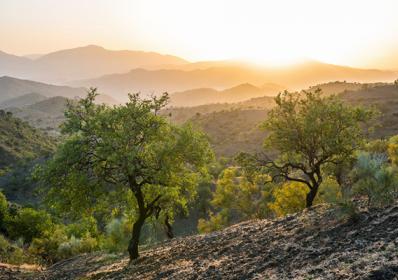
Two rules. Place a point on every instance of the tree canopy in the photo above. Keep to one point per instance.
(127, 156)
(307, 132)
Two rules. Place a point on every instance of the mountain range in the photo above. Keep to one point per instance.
(222, 77)
(117, 73)
(80, 63)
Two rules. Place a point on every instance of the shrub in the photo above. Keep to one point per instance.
(47, 245)
(215, 222)
(3, 212)
(75, 246)
(117, 234)
(289, 198)
(12, 253)
(28, 224)
(238, 196)
(374, 178)
(85, 226)
(329, 192)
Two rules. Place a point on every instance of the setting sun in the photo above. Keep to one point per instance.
(351, 33)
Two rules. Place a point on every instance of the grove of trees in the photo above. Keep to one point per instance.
(120, 174)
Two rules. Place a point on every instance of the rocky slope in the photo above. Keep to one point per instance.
(315, 244)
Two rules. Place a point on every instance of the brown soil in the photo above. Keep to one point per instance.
(315, 244)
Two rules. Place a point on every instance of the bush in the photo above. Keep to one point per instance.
(75, 246)
(289, 198)
(3, 212)
(28, 224)
(329, 192)
(117, 235)
(375, 179)
(12, 253)
(85, 226)
(238, 196)
(215, 222)
(47, 245)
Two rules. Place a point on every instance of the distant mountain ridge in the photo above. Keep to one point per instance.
(120, 72)
(22, 101)
(12, 87)
(235, 94)
(176, 80)
(80, 63)
(13, 90)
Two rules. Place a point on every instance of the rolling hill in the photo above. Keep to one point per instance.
(235, 94)
(23, 100)
(12, 88)
(176, 80)
(20, 141)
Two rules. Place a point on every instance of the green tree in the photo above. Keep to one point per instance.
(28, 224)
(131, 151)
(237, 197)
(309, 132)
(3, 212)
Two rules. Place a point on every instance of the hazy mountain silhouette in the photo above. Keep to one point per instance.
(24, 100)
(175, 80)
(12, 88)
(80, 63)
(238, 93)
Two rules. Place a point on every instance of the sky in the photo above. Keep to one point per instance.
(358, 33)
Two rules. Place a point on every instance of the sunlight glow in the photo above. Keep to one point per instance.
(348, 32)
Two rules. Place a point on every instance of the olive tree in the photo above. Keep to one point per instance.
(131, 150)
(306, 133)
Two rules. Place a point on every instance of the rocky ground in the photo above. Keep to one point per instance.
(315, 244)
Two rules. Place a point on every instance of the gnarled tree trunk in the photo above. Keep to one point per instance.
(135, 237)
(169, 229)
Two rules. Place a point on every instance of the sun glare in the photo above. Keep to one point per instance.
(261, 31)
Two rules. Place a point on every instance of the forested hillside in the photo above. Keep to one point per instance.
(20, 141)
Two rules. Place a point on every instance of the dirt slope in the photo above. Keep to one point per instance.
(309, 245)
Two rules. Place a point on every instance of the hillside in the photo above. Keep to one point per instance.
(315, 244)
(12, 88)
(22, 101)
(20, 141)
(221, 77)
(197, 97)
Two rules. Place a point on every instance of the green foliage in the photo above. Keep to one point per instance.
(125, 158)
(117, 234)
(375, 179)
(3, 211)
(12, 253)
(392, 149)
(237, 198)
(214, 222)
(74, 246)
(309, 132)
(46, 246)
(19, 141)
(329, 192)
(28, 223)
(289, 198)
(57, 243)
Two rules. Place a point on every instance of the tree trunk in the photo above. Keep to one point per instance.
(135, 237)
(169, 229)
(311, 196)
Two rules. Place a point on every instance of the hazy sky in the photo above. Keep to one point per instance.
(350, 32)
